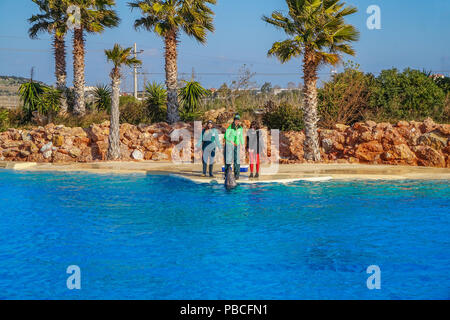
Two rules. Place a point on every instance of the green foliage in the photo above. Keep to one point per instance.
(316, 29)
(50, 101)
(444, 84)
(406, 95)
(191, 96)
(30, 93)
(121, 56)
(4, 119)
(156, 102)
(194, 17)
(82, 122)
(284, 117)
(132, 111)
(344, 98)
(353, 96)
(189, 116)
(102, 98)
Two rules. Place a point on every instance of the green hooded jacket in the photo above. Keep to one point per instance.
(234, 135)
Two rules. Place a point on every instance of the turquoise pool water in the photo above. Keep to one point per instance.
(157, 237)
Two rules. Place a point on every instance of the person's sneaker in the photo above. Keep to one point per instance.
(204, 175)
(257, 175)
(212, 176)
(251, 175)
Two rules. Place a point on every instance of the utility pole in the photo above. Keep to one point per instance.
(135, 70)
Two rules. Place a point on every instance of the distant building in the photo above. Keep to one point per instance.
(437, 76)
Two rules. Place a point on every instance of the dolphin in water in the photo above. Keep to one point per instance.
(230, 180)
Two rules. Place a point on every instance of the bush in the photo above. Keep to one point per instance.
(189, 116)
(132, 111)
(156, 102)
(345, 97)
(84, 121)
(4, 119)
(283, 117)
(410, 95)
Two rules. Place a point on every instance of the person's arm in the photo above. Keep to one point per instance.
(262, 146)
(199, 143)
(217, 140)
(241, 135)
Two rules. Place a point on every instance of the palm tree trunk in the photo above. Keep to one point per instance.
(114, 131)
(60, 69)
(172, 78)
(78, 71)
(311, 145)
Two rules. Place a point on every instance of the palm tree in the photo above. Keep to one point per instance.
(52, 19)
(316, 30)
(119, 57)
(168, 18)
(96, 15)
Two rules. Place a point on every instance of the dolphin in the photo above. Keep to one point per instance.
(230, 180)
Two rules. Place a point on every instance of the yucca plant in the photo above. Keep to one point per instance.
(30, 94)
(156, 101)
(316, 30)
(191, 95)
(102, 98)
(50, 102)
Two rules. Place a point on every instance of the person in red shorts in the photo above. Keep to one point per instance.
(254, 147)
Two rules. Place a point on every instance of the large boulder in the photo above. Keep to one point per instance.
(433, 139)
(399, 154)
(429, 157)
(369, 151)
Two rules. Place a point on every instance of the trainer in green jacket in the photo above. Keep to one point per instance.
(234, 138)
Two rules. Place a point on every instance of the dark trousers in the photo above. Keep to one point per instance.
(232, 157)
(208, 156)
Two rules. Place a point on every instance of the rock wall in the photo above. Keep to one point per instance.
(406, 143)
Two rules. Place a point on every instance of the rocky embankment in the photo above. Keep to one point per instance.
(406, 143)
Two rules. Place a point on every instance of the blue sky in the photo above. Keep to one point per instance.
(414, 34)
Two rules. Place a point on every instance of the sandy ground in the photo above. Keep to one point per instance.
(281, 173)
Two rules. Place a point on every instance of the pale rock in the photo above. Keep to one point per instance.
(137, 155)
(46, 147)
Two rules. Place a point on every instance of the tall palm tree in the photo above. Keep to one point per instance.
(168, 18)
(52, 19)
(119, 57)
(316, 30)
(96, 15)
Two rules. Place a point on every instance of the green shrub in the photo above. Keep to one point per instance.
(156, 102)
(4, 119)
(345, 97)
(187, 116)
(102, 98)
(283, 117)
(410, 95)
(84, 121)
(132, 111)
